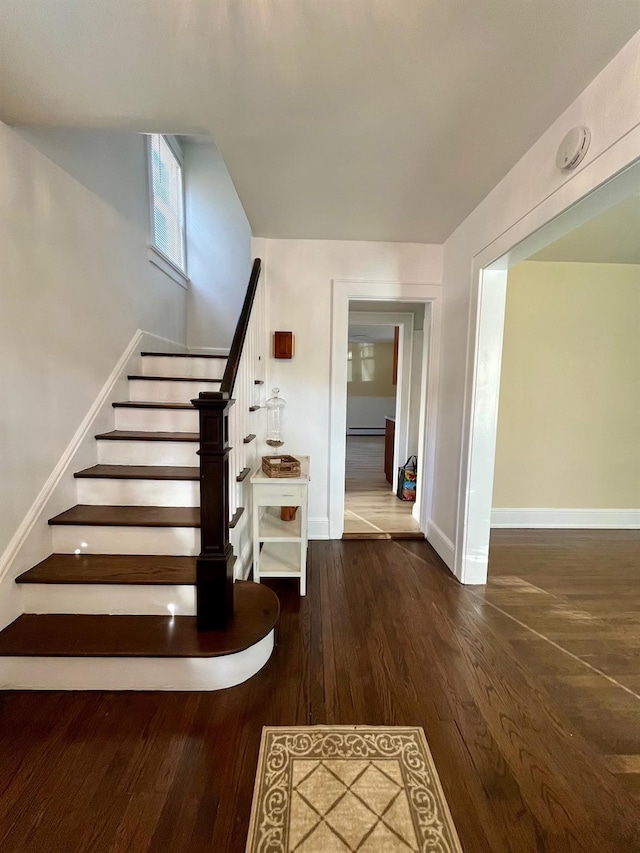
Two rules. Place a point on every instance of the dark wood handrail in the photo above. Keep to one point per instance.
(233, 362)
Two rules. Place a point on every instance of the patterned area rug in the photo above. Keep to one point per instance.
(341, 789)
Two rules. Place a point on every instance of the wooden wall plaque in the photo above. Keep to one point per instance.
(283, 344)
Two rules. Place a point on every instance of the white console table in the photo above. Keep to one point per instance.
(280, 547)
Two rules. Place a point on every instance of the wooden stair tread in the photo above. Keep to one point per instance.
(142, 404)
(140, 472)
(112, 568)
(130, 516)
(174, 378)
(256, 613)
(139, 435)
(183, 355)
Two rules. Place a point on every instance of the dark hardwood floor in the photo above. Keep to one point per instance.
(572, 605)
(525, 706)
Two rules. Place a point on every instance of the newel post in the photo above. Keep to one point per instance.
(214, 566)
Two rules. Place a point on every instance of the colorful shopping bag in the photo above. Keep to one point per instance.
(407, 479)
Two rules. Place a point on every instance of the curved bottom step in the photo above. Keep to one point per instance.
(81, 673)
(86, 652)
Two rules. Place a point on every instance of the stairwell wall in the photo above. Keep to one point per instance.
(76, 286)
(218, 248)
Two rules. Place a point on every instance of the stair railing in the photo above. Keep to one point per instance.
(229, 426)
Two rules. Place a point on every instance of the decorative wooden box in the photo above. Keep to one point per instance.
(281, 466)
(283, 344)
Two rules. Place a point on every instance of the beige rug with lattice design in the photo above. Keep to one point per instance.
(341, 789)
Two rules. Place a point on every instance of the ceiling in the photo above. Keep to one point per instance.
(611, 238)
(366, 119)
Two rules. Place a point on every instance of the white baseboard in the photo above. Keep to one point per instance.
(32, 541)
(318, 528)
(624, 519)
(441, 544)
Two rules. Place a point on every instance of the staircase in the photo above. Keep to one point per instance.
(114, 605)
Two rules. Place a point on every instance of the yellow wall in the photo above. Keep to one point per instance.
(370, 370)
(569, 415)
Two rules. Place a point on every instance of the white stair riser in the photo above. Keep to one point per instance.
(94, 539)
(159, 391)
(157, 420)
(199, 368)
(108, 492)
(148, 452)
(122, 673)
(121, 599)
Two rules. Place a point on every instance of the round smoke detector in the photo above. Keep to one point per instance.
(573, 148)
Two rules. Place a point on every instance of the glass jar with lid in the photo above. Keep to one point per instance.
(275, 407)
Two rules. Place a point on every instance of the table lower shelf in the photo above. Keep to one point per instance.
(272, 527)
(280, 560)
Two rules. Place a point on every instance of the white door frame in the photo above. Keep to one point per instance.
(403, 386)
(560, 213)
(342, 292)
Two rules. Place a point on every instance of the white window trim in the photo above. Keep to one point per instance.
(154, 255)
(160, 260)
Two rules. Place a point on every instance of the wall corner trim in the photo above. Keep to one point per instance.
(441, 543)
(319, 528)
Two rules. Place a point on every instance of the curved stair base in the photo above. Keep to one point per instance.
(81, 673)
(139, 652)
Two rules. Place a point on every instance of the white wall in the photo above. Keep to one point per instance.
(218, 248)
(532, 193)
(569, 412)
(369, 413)
(371, 397)
(299, 274)
(76, 285)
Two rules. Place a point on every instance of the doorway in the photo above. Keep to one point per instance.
(385, 299)
(476, 492)
(382, 411)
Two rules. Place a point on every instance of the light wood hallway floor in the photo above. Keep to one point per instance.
(370, 507)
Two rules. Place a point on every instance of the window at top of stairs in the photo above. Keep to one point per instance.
(166, 193)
